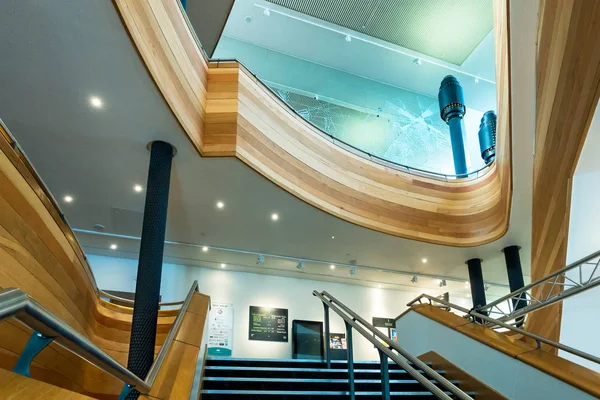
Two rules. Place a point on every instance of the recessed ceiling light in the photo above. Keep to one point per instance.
(68, 199)
(266, 12)
(332, 266)
(220, 204)
(424, 260)
(248, 19)
(476, 80)
(275, 217)
(113, 246)
(205, 248)
(348, 38)
(96, 102)
(138, 188)
(223, 265)
(333, 237)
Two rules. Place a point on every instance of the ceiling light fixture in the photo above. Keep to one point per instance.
(332, 266)
(138, 188)
(220, 205)
(415, 279)
(68, 199)
(424, 260)
(348, 38)
(260, 259)
(223, 265)
(442, 282)
(113, 246)
(96, 102)
(205, 248)
(486, 287)
(380, 286)
(275, 217)
(476, 80)
(333, 237)
(417, 61)
(300, 265)
(266, 12)
(352, 271)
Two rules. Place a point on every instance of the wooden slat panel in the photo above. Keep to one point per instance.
(13, 386)
(243, 118)
(568, 84)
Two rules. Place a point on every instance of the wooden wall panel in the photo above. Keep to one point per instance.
(13, 387)
(39, 255)
(568, 83)
(243, 118)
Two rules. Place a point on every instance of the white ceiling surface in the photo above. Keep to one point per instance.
(55, 55)
(588, 159)
(302, 36)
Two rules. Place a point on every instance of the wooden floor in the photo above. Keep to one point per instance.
(226, 111)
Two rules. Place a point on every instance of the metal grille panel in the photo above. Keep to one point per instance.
(448, 30)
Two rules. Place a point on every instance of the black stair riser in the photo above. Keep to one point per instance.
(242, 373)
(425, 396)
(308, 386)
(295, 364)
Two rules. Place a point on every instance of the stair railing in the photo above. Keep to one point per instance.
(483, 319)
(48, 328)
(376, 337)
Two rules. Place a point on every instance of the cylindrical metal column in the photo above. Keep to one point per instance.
(147, 288)
(487, 137)
(452, 110)
(476, 282)
(515, 273)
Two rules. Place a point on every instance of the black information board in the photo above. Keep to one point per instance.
(384, 322)
(268, 324)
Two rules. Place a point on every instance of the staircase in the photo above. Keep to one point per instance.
(236, 378)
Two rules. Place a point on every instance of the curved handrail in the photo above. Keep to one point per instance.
(130, 303)
(351, 318)
(476, 317)
(18, 304)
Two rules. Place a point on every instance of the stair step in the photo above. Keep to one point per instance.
(324, 395)
(273, 362)
(300, 373)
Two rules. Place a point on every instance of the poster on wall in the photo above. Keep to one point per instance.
(337, 341)
(220, 329)
(268, 324)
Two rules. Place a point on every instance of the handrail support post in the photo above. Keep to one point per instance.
(37, 342)
(350, 360)
(385, 376)
(327, 336)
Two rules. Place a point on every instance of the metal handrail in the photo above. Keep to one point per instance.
(476, 317)
(131, 302)
(351, 318)
(528, 303)
(19, 305)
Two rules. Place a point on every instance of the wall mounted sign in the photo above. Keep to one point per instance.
(268, 324)
(383, 322)
(220, 329)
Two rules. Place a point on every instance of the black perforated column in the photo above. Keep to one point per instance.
(476, 282)
(147, 289)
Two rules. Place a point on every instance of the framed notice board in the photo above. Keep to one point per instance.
(268, 324)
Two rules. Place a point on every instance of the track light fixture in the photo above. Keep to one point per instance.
(300, 265)
(442, 282)
(352, 271)
(261, 259)
(415, 279)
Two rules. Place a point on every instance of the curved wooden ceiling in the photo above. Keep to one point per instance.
(226, 111)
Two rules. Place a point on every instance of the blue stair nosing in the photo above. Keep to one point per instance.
(313, 393)
(294, 360)
(309, 380)
(285, 369)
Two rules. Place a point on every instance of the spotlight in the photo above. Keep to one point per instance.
(300, 265)
(205, 248)
(415, 279)
(96, 102)
(266, 12)
(442, 282)
(223, 265)
(486, 287)
(417, 61)
(138, 188)
(275, 217)
(332, 266)
(476, 80)
(352, 271)
(424, 260)
(113, 246)
(348, 38)
(261, 259)
(68, 199)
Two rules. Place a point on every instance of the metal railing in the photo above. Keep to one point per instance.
(375, 336)
(573, 279)
(48, 328)
(130, 303)
(476, 316)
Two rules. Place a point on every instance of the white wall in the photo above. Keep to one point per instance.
(580, 324)
(246, 289)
